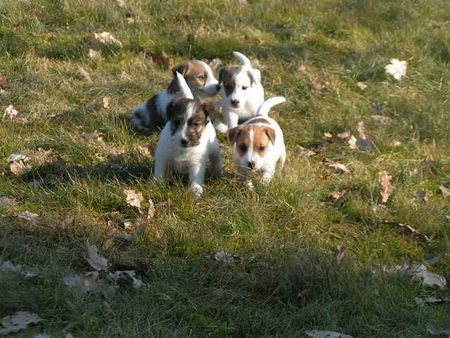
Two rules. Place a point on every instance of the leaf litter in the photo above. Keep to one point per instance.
(386, 187)
(17, 322)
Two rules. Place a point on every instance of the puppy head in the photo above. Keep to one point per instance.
(188, 119)
(251, 145)
(235, 82)
(198, 76)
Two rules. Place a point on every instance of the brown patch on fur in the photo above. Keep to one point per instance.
(262, 136)
(194, 73)
(226, 78)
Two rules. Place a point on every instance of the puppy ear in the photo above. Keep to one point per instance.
(233, 134)
(252, 78)
(221, 75)
(209, 109)
(182, 69)
(270, 132)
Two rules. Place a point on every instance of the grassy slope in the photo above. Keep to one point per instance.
(285, 233)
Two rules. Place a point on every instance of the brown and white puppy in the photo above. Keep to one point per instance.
(152, 115)
(241, 91)
(258, 144)
(188, 142)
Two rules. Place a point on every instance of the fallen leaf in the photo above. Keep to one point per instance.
(317, 86)
(95, 54)
(396, 143)
(106, 100)
(84, 74)
(445, 191)
(431, 279)
(151, 209)
(361, 85)
(83, 282)
(342, 249)
(10, 112)
(29, 216)
(339, 167)
(3, 81)
(396, 68)
(161, 59)
(5, 201)
(377, 108)
(431, 300)
(305, 152)
(107, 38)
(339, 197)
(386, 188)
(302, 69)
(134, 198)
(328, 135)
(226, 258)
(424, 170)
(18, 321)
(326, 334)
(131, 18)
(421, 196)
(106, 308)
(344, 135)
(95, 260)
(148, 149)
(361, 142)
(381, 119)
(96, 135)
(410, 230)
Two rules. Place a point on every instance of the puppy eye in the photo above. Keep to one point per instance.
(197, 124)
(202, 77)
(243, 147)
(244, 87)
(261, 148)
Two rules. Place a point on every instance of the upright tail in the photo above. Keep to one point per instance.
(264, 108)
(243, 59)
(184, 88)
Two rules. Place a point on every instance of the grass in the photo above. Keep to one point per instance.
(287, 235)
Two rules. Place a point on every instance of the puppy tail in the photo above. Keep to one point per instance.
(184, 88)
(265, 107)
(243, 59)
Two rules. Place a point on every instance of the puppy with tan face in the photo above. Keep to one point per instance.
(258, 144)
(241, 91)
(152, 115)
(188, 141)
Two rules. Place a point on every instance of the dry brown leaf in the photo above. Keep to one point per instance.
(18, 321)
(302, 69)
(381, 119)
(421, 196)
(410, 230)
(29, 216)
(3, 81)
(106, 308)
(386, 187)
(224, 257)
(317, 86)
(342, 249)
(98, 262)
(339, 197)
(305, 152)
(106, 100)
(148, 149)
(363, 141)
(361, 85)
(6, 201)
(134, 198)
(151, 209)
(10, 112)
(84, 74)
(95, 54)
(83, 282)
(96, 135)
(445, 191)
(377, 108)
(424, 170)
(107, 38)
(338, 167)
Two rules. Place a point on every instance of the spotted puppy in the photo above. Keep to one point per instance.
(241, 91)
(188, 141)
(258, 144)
(152, 115)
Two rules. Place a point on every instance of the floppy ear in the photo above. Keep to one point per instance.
(270, 132)
(209, 109)
(252, 78)
(182, 69)
(221, 75)
(233, 134)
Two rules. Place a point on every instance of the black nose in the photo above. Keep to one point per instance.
(234, 103)
(184, 142)
(218, 87)
(251, 164)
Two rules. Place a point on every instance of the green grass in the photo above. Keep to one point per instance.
(286, 234)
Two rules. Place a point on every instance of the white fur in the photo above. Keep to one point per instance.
(276, 153)
(249, 99)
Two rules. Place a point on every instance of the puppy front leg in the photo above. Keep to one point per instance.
(267, 176)
(232, 119)
(160, 173)
(216, 160)
(196, 179)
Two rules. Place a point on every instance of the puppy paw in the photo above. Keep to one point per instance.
(221, 128)
(196, 191)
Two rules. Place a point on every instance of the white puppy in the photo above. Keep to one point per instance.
(152, 115)
(258, 144)
(241, 91)
(188, 141)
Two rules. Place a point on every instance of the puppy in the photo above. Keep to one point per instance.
(188, 141)
(258, 144)
(152, 115)
(241, 91)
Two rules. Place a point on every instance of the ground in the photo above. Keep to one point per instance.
(287, 279)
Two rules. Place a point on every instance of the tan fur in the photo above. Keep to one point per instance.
(194, 73)
(262, 136)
